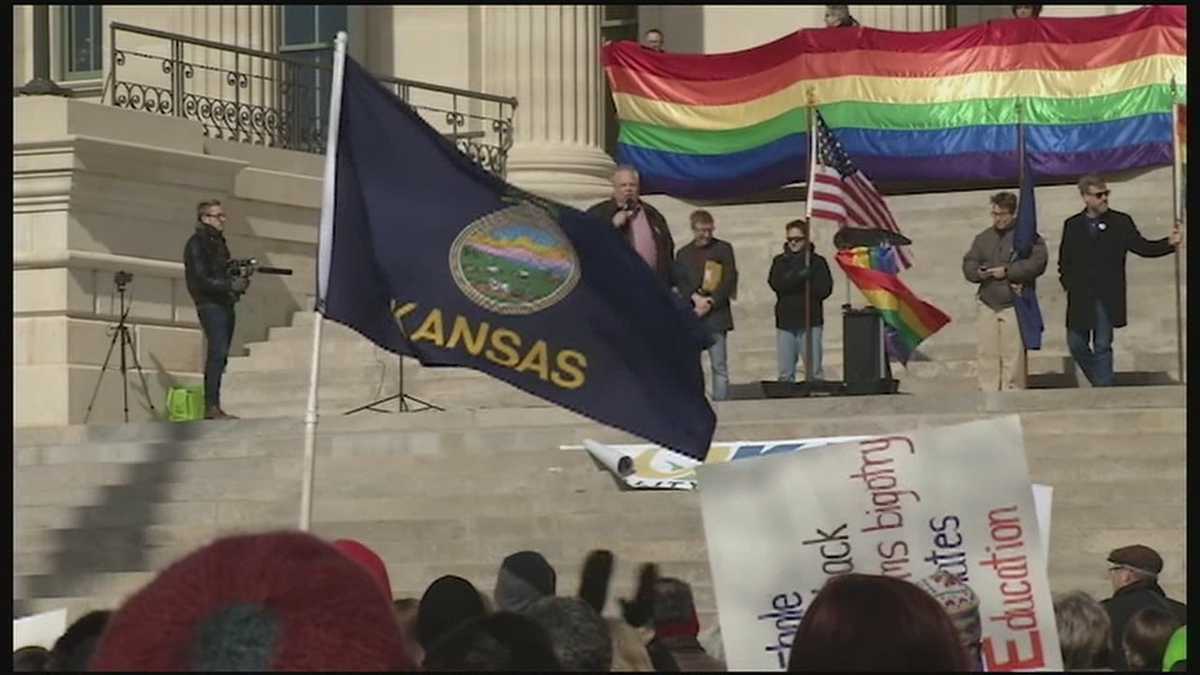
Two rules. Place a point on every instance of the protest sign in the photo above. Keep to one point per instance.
(954, 498)
(647, 465)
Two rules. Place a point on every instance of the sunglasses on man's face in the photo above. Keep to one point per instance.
(1100, 195)
(795, 240)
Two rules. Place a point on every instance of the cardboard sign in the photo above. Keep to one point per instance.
(954, 498)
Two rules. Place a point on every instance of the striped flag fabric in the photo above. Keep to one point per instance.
(933, 108)
(842, 194)
(909, 319)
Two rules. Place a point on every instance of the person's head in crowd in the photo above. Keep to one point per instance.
(448, 602)
(1083, 630)
(796, 233)
(703, 227)
(406, 609)
(653, 40)
(1004, 210)
(1095, 193)
(625, 182)
(524, 578)
(1026, 11)
(578, 634)
(1133, 564)
(406, 615)
(503, 641)
(871, 622)
(74, 648)
(32, 659)
(628, 648)
(275, 601)
(674, 609)
(838, 16)
(1146, 637)
(1175, 657)
(962, 606)
(370, 561)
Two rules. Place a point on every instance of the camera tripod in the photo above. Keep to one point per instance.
(121, 332)
(399, 396)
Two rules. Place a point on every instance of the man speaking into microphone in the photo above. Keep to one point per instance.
(641, 224)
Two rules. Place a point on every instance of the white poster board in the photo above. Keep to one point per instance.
(39, 630)
(956, 498)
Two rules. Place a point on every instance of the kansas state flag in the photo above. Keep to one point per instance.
(432, 257)
(1029, 313)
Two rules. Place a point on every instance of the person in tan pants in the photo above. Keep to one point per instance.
(990, 264)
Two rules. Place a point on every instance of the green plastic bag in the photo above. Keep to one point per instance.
(185, 404)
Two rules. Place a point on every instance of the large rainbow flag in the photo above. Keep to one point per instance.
(935, 107)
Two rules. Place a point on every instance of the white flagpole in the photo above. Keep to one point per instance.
(1177, 211)
(324, 252)
(808, 210)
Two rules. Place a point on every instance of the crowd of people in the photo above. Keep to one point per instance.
(292, 601)
(1091, 270)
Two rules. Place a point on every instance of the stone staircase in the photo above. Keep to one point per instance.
(99, 509)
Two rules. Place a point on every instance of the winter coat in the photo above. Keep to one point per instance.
(690, 264)
(789, 277)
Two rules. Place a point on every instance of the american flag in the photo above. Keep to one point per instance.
(842, 194)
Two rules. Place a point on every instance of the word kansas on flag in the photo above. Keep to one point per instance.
(432, 257)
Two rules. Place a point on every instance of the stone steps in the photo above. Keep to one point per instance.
(98, 509)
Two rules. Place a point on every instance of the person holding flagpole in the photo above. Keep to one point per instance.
(1091, 269)
(991, 265)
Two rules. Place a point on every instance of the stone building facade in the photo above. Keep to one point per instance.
(98, 189)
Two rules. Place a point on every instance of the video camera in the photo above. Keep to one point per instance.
(246, 267)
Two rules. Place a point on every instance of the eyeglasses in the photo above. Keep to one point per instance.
(1098, 195)
(215, 215)
(795, 240)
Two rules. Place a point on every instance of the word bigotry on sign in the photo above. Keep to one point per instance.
(906, 506)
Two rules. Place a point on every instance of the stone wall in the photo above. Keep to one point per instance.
(96, 190)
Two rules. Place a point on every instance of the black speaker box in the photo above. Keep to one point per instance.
(864, 358)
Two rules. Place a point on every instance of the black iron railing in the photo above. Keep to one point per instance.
(280, 100)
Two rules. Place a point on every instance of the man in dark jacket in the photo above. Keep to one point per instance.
(641, 224)
(801, 280)
(1134, 571)
(708, 276)
(206, 268)
(1091, 269)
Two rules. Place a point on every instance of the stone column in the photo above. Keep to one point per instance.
(548, 57)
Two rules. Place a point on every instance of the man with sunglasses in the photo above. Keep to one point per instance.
(1091, 269)
(800, 278)
(206, 270)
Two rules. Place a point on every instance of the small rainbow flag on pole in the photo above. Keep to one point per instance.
(910, 318)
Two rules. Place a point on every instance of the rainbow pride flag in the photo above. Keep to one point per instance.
(935, 107)
(909, 318)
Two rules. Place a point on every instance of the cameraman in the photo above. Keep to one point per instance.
(206, 266)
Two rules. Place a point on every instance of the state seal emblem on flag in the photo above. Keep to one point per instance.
(514, 261)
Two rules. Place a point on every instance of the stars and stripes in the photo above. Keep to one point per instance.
(842, 194)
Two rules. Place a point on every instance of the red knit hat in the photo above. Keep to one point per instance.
(359, 553)
(277, 601)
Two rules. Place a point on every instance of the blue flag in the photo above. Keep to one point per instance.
(1029, 314)
(433, 257)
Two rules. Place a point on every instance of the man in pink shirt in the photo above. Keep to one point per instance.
(641, 224)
